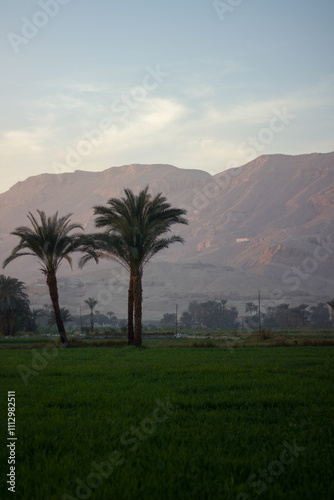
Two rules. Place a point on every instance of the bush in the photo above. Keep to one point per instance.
(207, 343)
(265, 334)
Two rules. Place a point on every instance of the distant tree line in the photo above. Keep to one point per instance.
(215, 314)
(17, 315)
(210, 314)
(285, 316)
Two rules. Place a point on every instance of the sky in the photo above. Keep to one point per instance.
(202, 84)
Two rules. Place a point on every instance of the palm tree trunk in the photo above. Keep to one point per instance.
(8, 332)
(130, 311)
(11, 322)
(138, 293)
(51, 281)
(91, 321)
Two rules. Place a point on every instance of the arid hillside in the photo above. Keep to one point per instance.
(267, 225)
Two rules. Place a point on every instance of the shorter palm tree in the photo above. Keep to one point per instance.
(34, 317)
(110, 315)
(91, 302)
(250, 307)
(51, 242)
(65, 316)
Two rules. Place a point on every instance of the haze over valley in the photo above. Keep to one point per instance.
(268, 225)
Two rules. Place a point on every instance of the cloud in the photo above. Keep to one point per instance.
(19, 142)
(24, 153)
(160, 113)
(151, 122)
(201, 131)
(258, 111)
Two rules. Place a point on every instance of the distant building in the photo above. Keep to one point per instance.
(241, 240)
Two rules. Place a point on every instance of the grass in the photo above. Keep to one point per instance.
(224, 419)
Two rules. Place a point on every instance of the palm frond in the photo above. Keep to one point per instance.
(49, 239)
(134, 227)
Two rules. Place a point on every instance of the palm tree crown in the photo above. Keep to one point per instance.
(48, 240)
(134, 226)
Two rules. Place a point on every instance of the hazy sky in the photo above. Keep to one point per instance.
(90, 84)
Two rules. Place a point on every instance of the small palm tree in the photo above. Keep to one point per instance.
(49, 240)
(135, 225)
(250, 307)
(91, 302)
(110, 315)
(65, 316)
(35, 315)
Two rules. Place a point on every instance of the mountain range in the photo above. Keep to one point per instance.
(267, 225)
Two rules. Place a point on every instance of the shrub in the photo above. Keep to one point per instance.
(207, 343)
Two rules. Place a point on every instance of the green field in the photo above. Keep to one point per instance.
(170, 423)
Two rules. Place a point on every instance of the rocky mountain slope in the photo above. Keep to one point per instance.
(267, 225)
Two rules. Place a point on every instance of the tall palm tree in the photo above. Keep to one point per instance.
(134, 228)
(49, 240)
(91, 302)
(14, 303)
